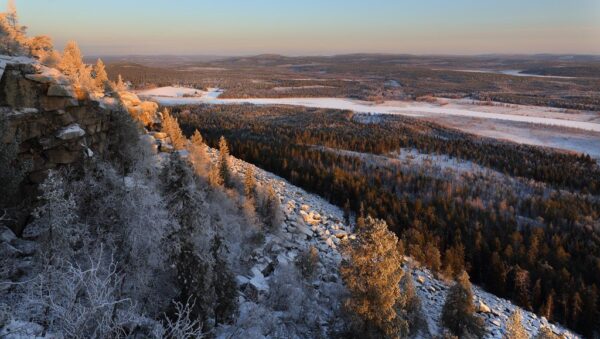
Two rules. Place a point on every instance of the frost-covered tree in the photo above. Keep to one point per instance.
(80, 300)
(55, 223)
(183, 324)
(100, 75)
(458, 313)
(72, 65)
(198, 155)
(514, 327)
(271, 209)
(193, 264)
(13, 39)
(372, 271)
(410, 308)
(41, 46)
(170, 125)
(307, 263)
(225, 287)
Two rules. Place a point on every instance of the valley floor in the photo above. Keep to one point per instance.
(574, 131)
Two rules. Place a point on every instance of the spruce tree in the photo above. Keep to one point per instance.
(372, 272)
(100, 75)
(223, 282)
(224, 170)
(458, 313)
(249, 183)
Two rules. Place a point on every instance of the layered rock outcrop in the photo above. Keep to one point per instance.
(54, 124)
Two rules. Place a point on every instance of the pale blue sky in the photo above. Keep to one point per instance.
(318, 26)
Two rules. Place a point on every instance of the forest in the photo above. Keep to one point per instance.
(524, 225)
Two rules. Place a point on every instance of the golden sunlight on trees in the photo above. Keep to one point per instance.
(100, 75)
(198, 155)
(514, 327)
(171, 127)
(372, 272)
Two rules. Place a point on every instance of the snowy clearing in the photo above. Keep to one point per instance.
(173, 92)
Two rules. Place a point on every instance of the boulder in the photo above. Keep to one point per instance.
(72, 131)
(6, 234)
(60, 91)
(421, 279)
(482, 307)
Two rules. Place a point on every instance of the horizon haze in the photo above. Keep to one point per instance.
(435, 27)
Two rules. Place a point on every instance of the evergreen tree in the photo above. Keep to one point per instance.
(198, 155)
(71, 63)
(13, 39)
(410, 308)
(224, 283)
(514, 327)
(372, 272)
(458, 313)
(249, 183)
(272, 209)
(223, 164)
(100, 75)
(170, 125)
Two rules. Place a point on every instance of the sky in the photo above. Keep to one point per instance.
(317, 27)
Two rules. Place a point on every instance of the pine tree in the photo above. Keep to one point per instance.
(249, 183)
(198, 155)
(514, 327)
(347, 212)
(272, 209)
(223, 164)
(458, 313)
(13, 38)
(410, 308)
(100, 75)
(71, 63)
(372, 272)
(224, 283)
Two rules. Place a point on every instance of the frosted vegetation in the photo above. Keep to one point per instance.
(165, 237)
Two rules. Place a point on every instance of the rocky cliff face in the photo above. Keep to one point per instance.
(55, 124)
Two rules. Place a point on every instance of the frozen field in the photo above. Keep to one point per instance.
(538, 116)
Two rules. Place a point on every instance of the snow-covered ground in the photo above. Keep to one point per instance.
(513, 72)
(180, 92)
(395, 107)
(311, 220)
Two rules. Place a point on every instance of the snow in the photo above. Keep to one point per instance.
(512, 72)
(391, 107)
(70, 132)
(175, 92)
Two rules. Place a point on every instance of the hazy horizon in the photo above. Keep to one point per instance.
(312, 28)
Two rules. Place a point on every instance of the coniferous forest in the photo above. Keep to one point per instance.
(523, 221)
